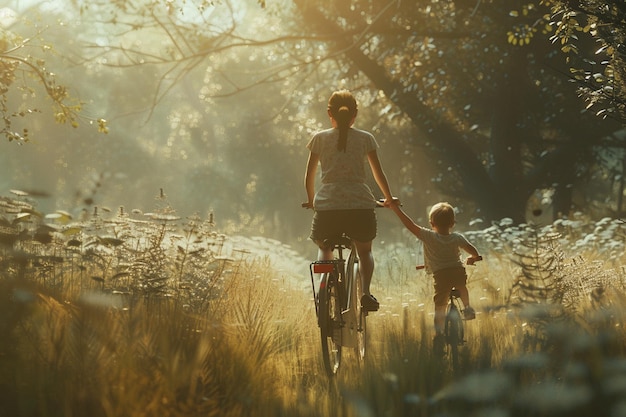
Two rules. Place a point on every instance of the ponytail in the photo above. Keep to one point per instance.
(343, 108)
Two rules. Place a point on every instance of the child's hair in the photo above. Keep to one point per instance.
(442, 215)
(343, 108)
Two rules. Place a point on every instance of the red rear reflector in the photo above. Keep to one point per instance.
(322, 268)
(418, 267)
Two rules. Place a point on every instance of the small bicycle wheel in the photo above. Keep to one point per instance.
(330, 323)
(454, 335)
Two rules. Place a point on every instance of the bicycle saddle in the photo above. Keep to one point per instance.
(343, 241)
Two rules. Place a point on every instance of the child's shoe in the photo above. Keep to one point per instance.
(469, 313)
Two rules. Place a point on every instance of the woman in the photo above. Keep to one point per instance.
(344, 204)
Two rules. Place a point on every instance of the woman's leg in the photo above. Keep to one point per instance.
(324, 253)
(366, 266)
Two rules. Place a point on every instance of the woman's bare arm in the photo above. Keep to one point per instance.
(379, 176)
(309, 178)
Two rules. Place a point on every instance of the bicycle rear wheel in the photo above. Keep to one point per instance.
(454, 334)
(330, 322)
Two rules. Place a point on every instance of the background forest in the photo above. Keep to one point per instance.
(151, 177)
(214, 102)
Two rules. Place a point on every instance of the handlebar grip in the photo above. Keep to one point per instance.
(381, 201)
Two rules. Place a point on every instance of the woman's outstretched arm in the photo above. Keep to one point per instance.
(379, 176)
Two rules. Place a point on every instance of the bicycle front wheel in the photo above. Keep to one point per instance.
(454, 335)
(330, 322)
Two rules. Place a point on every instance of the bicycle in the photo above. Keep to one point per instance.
(454, 332)
(340, 316)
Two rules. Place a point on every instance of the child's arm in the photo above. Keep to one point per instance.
(406, 220)
(471, 249)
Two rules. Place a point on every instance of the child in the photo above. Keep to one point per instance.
(442, 259)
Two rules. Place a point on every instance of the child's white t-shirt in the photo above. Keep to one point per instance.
(441, 251)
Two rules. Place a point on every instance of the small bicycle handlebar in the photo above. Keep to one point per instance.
(474, 260)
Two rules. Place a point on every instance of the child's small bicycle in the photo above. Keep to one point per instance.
(454, 332)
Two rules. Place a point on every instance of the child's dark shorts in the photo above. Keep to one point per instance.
(358, 224)
(445, 280)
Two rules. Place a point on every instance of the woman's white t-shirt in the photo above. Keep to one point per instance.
(343, 183)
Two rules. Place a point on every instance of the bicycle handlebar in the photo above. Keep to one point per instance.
(379, 203)
(468, 261)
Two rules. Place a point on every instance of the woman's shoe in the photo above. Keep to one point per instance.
(369, 302)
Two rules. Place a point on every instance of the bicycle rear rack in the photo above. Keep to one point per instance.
(320, 267)
(323, 267)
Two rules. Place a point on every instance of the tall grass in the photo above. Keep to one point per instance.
(77, 358)
(121, 317)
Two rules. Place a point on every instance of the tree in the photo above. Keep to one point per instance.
(600, 73)
(25, 78)
(481, 82)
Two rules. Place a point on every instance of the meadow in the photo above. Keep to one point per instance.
(149, 314)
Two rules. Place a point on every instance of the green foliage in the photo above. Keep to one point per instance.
(129, 256)
(553, 269)
(593, 35)
(555, 278)
(523, 33)
(25, 78)
(455, 105)
(472, 77)
(541, 270)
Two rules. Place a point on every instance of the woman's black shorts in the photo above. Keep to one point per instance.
(358, 224)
